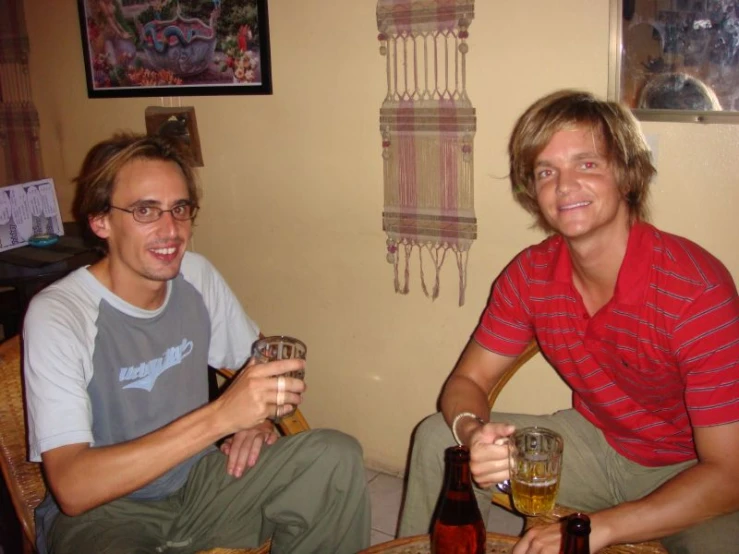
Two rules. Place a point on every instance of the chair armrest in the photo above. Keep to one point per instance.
(226, 373)
(531, 350)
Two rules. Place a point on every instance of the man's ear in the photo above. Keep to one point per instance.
(99, 225)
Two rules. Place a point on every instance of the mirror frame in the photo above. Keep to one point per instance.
(615, 91)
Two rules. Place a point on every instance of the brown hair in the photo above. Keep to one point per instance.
(626, 148)
(104, 162)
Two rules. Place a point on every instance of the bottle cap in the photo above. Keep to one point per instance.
(578, 524)
(457, 454)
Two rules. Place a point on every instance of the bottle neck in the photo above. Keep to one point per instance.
(577, 535)
(457, 469)
(457, 476)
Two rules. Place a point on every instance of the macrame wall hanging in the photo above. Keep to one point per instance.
(428, 126)
(20, 153)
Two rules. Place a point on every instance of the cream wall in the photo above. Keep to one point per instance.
(293, 192)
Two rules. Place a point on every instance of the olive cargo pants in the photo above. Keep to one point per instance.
(307, 492)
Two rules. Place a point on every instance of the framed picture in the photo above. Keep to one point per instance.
(28, 209)
(178, 124)
(175, 47)
(676, 60)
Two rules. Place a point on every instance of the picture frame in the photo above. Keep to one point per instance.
(178, 124)
(675, 60)
(28, 209)
(136, 48)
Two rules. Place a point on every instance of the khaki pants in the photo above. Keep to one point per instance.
(594, 477)
(308, 492)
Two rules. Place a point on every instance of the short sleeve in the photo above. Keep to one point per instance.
(506, 324)
(706, 344)
(57, 369)
(232, 331)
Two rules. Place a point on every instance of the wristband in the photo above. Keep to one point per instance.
(461, 416)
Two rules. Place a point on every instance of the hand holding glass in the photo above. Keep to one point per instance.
(270, 349)
(535, 455)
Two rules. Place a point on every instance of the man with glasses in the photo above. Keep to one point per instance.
(116, 356)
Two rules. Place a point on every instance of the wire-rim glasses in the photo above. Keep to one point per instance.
(150, 214)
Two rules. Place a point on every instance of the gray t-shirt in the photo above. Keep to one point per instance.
(101, 371)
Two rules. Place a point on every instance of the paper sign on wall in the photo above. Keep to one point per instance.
(28, 209)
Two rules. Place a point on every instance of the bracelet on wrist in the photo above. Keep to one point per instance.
(461, 416)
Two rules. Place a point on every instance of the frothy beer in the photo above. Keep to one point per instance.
(534, 497)
(535, 464)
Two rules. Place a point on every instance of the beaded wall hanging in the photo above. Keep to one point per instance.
(428, 125)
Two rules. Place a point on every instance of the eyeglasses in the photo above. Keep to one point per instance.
(150, 214)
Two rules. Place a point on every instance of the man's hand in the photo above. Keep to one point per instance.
(489, 453)
(477, 372)
(243, 448)
(252, 396)
(542, 539)
(547, 539)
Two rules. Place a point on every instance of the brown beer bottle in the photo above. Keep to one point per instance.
(458, 527)
(577, 535)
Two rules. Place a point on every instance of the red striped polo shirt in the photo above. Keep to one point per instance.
(660, 356)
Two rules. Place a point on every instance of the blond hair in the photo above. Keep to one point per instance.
(626, 148)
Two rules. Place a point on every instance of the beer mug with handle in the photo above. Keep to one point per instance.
(535, 457)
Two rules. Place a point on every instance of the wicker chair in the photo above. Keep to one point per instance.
(504, 501)
(10, 312)
(23, 478)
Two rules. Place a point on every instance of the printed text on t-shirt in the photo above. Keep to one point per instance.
(144, 375)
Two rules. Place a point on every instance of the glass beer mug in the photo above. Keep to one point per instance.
(535, 467)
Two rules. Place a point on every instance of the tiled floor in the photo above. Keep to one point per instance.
(386, 492)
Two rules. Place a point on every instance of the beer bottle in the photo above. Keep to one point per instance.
(458, 527)
(577, 535)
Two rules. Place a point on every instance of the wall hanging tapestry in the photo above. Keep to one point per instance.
(428, 125)
(20, 153)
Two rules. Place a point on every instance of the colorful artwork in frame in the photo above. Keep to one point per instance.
(175, 47)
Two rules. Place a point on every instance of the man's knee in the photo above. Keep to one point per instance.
(335, 445)
(719, 535)
(432, 435)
